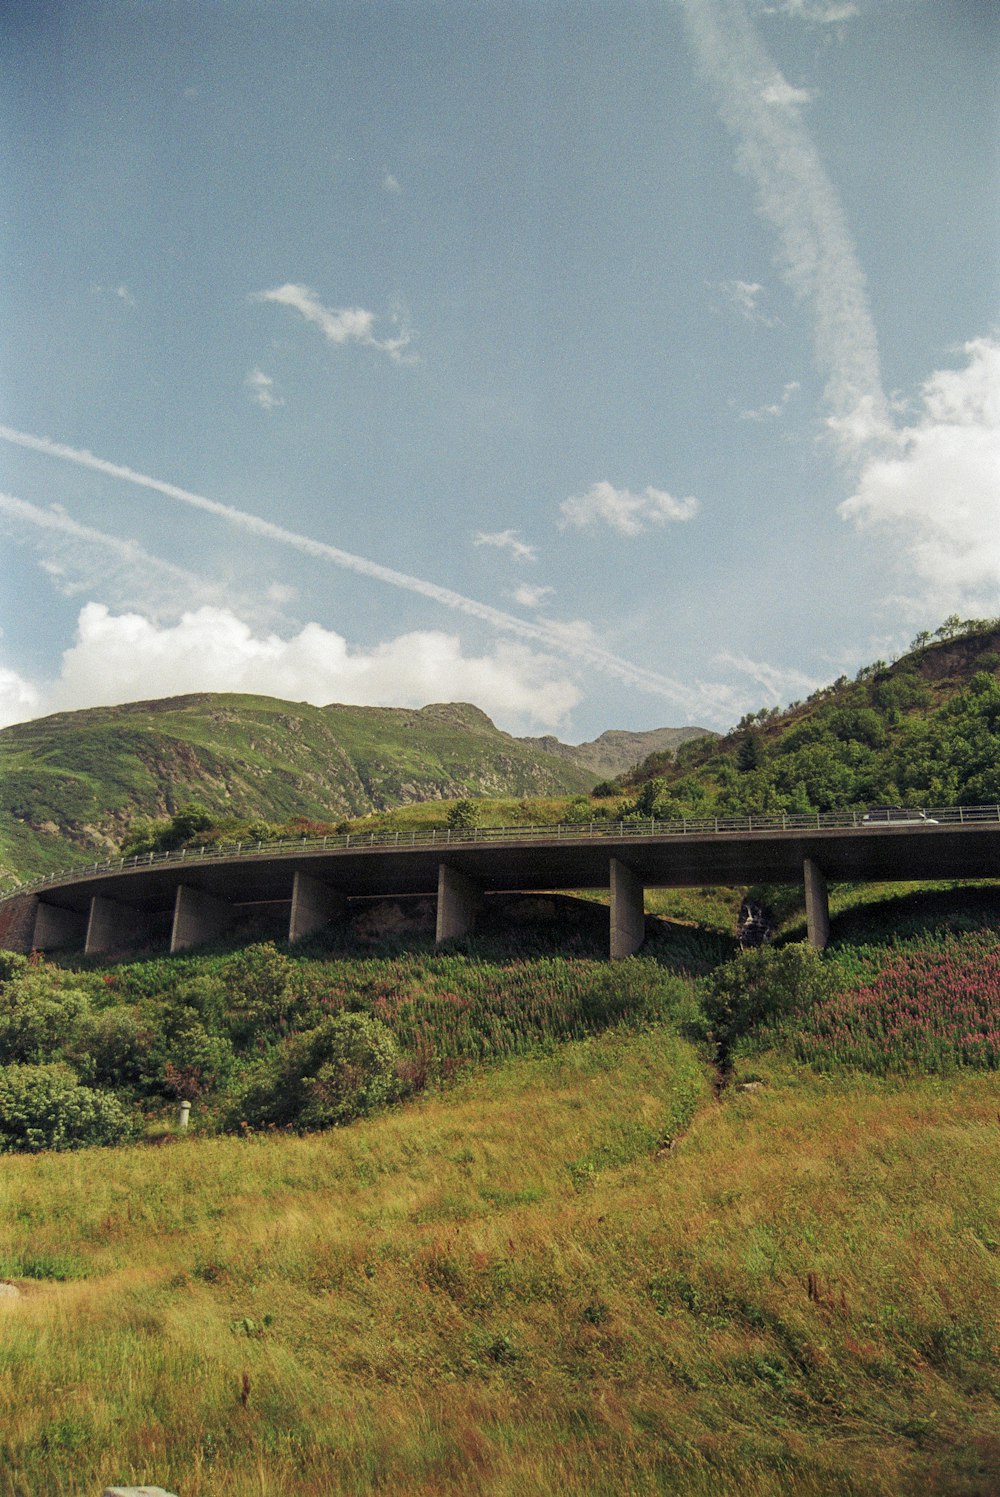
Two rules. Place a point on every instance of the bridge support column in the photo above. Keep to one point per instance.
(55, 927)
(458, 902)
(817, 904)
(197, 918)
(113, 926)
(628, 920)
(314, 904)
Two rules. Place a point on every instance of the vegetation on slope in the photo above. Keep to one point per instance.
(573, 1270)
(922, 732)
(80, 779)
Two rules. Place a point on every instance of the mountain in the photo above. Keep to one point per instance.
(81, 778)
(616, 750)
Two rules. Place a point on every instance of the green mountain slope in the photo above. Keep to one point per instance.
(923, 731)
(74, 781)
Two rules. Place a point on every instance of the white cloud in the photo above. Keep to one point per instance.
(780, 682)
(125, 657)
(340, 324)
(531, 597)
(936, 495)
(621, 510)
(784, 95)
(19, 700)
(776, 409)
(744, 298)
(822, 12)
(77, 558)
(281, 593)
(121, 292)
(506, 540)
(817, 254)
(390, 183)
(261, 387)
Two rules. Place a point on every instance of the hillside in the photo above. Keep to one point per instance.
(617, 751)
(80, 778)
(922, 731)
(558, 1250)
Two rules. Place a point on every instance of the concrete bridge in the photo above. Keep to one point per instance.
(191, 897)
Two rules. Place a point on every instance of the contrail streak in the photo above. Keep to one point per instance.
(127, 551)
(795, 194)
(549, 636)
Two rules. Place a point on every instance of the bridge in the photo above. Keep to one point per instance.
(193, 896)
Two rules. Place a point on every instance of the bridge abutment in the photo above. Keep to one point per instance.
(198, 917)
(458, 902)
(314, 904)
(56, 927)
(817, 904)
(628, 919)
(113, 926)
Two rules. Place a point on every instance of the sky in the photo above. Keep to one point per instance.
(614, 364)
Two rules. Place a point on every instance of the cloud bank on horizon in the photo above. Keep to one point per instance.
(551, 706)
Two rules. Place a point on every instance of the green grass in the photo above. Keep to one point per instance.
(579, 1267)
(522, 1288)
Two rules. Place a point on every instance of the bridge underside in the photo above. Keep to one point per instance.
(191, 900)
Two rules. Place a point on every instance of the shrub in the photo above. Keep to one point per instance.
(762, 986)
(259, 995)
(187, 1061)
(38, 1017)
(46, 1107)
(342, 1069)
(462, 813)
(108, 1048)
(11, 964)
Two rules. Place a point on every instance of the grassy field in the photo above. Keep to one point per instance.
(578, 1272)
(591, 1265)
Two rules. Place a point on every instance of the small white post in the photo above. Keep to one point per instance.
(183, 1114)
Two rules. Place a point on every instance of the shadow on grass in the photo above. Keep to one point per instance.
(925, 911)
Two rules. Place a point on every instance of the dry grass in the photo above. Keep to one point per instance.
(520, 1289)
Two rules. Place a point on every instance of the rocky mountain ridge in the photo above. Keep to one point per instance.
(73, 783)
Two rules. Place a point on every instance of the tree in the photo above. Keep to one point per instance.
(748, 755)
(462, 813)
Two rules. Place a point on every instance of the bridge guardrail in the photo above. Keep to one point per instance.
(484, 836)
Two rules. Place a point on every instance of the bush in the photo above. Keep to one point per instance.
(761, 986)
(108, 1049)
(342, 1069)
(186, 1060)
(259, 995)
(463, 813)
(46, 1107)
(38, 1017)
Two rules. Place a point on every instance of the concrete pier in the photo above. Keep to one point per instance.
(314, 904)
(197, 918)
(458, 900)
(817, 904)
(628, 920)
(56, 927)
(112, 926)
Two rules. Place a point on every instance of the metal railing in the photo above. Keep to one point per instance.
(737, 826)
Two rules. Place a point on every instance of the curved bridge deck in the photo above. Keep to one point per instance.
(111, 906)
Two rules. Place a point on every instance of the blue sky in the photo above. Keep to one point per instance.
(612, 364)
